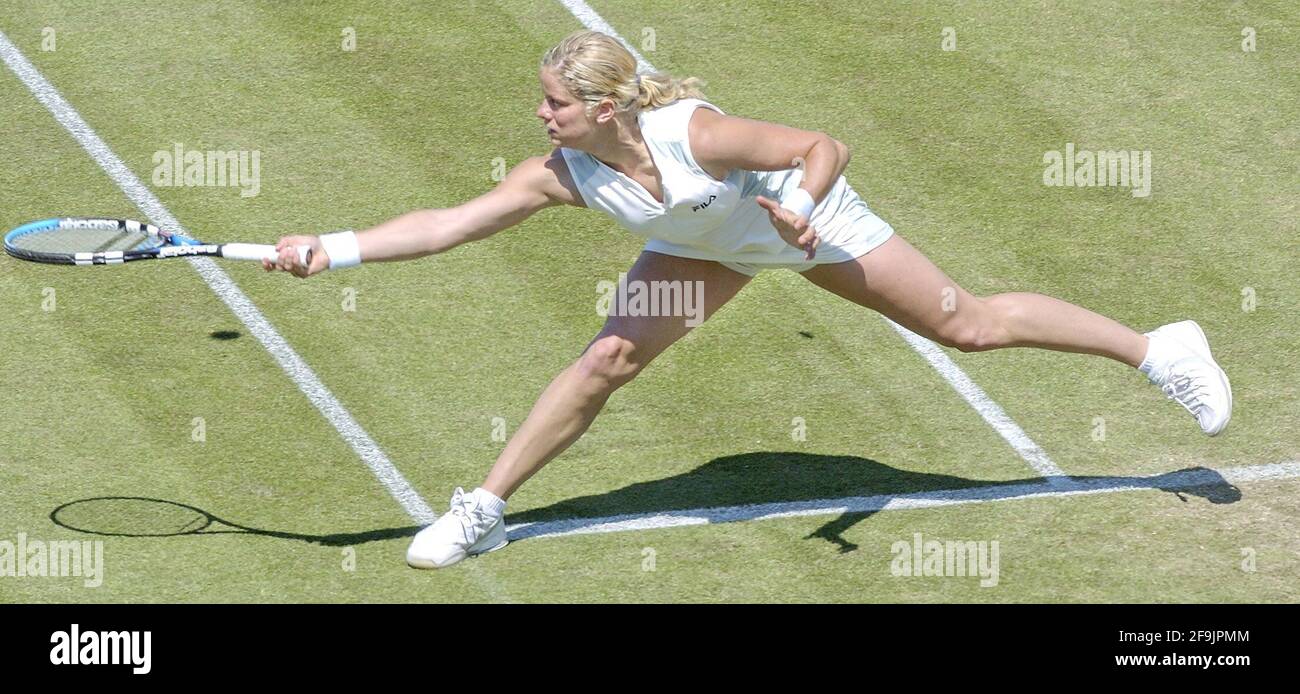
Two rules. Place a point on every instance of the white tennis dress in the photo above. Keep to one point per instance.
(702, 217)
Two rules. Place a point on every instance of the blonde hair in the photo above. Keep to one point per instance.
(595, 66)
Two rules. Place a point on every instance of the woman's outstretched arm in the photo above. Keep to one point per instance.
(524, 190)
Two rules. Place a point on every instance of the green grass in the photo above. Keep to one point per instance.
(947, 147)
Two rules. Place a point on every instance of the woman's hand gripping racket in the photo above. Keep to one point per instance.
(292, 260)
(101, 241)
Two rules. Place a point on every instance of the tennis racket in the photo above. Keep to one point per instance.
(103, 241)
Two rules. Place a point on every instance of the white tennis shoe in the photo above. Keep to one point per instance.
(1189, 375)
(465, 530)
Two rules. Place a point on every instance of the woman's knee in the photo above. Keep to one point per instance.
(978, 326)
(611, 359)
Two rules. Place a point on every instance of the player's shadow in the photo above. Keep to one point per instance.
(731, 488)
(754, 485)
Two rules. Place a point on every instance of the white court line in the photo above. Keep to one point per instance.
(1181, 480)
(225, 288)
(994, 415)
(593, 21)
(983, 404)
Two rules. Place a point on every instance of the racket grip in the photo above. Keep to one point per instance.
(258, 251)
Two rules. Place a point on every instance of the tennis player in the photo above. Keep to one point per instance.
(719, 198)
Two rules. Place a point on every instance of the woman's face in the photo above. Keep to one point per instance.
(563, 115)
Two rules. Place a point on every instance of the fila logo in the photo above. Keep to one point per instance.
(697, 208)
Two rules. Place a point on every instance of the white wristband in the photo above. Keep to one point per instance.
(800, 202)
(342, 248)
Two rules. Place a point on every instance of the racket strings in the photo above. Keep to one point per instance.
(69, 240)
(131, 517)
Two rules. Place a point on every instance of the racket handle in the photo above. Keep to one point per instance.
(258, 251)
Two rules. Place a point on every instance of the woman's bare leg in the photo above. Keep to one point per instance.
(622, 348)
(899, 282)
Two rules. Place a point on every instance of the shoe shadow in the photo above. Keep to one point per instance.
(731, 488)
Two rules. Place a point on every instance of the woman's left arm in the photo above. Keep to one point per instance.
(726, 142)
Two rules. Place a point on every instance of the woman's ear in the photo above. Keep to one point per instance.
(605, 110)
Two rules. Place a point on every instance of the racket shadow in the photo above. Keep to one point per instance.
(138, 516)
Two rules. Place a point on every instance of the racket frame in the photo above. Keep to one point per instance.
(171, 245)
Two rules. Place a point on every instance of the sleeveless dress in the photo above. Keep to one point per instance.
(702, 217)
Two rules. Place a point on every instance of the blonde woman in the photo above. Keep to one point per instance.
(718, 198)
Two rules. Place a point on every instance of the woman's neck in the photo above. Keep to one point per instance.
(624, 150)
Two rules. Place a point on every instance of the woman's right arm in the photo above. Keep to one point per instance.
(529, 187)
